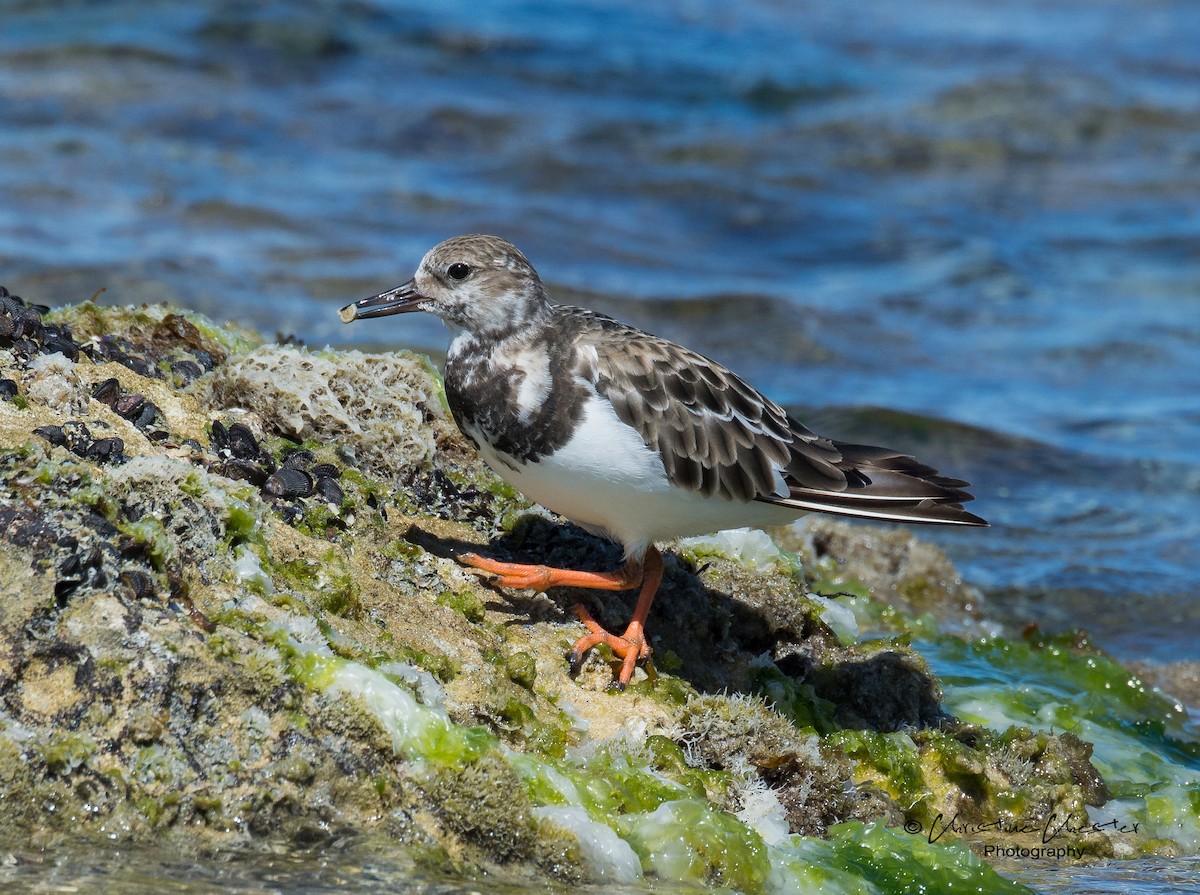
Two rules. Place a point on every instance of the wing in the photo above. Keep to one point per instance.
(719, 436)
(714, 433)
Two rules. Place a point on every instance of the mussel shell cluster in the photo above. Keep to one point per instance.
(240, 456)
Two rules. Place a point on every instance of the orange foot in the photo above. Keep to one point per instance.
(630, 646)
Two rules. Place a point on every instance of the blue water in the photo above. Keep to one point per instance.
(982, 215)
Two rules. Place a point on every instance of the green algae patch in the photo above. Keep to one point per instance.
(749, 547)
(630, 802)
(798, 702)
(167, 330)
(687, 841)
(1136, 738)
(152, 535)
(416, 731)
(466, 603)
(614, 785)
(327, 578)
(521, 669)
(896, 863)
(63, 754)
(890, 760)
(484, 801)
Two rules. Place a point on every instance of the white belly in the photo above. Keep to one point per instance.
(608, 481)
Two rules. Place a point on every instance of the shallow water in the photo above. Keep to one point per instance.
(328, 871)
(981, 217)
(1162, 877)
(337, 872)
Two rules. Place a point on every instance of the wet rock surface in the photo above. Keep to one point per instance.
(221, 559)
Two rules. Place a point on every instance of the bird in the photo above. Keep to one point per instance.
(631, 436)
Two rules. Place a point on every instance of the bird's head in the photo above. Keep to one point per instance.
(480, 284)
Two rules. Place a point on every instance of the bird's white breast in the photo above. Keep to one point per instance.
(606, 479)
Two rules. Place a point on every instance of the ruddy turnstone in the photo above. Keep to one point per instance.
(629, 435)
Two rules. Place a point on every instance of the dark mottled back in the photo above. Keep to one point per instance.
(484, 395)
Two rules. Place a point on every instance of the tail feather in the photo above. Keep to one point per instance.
(886, 484)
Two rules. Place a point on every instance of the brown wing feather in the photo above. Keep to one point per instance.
(717, 435)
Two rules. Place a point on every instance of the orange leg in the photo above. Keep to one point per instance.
(540, 578)
(631, 646)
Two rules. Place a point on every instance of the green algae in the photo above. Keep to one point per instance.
(892, 861)
(1149, 758)
(749, 547)
(688, 841)
(242, 516)
(609, 786)
(359, 488)
(893, 757)
(655, 802)
(796, 701)
(521, 669)
(1118, 737)
(435, 375)
(612, 784)
(663, 808)
(483, 800)
(327, 578)
(872, 615)
(152, 535)
(417, 731)
(466, 603)
(58, 469)
(161, 323)
(546, 732)
(664, 756)
(63, 754)
(444, 668)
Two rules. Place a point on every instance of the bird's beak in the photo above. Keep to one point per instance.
(396, 301)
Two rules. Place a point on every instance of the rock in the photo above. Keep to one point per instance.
(240, 619)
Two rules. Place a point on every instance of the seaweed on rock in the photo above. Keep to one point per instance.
(246, 622)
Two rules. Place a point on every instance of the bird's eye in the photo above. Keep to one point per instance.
(458, 271)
